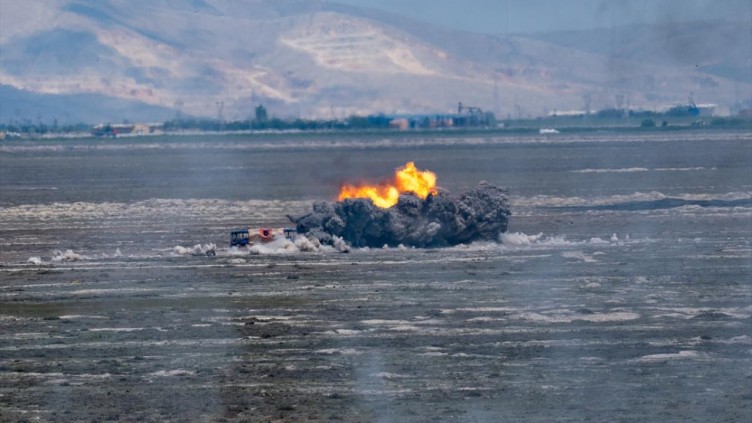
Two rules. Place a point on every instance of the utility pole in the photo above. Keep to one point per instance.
(496, 94)
(220, 108)
(737, 104)
(587, 98)
(178, 109)
(220, 118)
(620, 104)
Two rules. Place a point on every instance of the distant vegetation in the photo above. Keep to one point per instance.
(675, 118)
(353, 122)
(28, 128)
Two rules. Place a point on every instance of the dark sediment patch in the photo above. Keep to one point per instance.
(439, 220)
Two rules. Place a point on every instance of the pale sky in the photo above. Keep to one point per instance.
(491, 16)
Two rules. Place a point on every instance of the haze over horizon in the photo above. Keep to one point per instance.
(532, 16)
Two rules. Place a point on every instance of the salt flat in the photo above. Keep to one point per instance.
(606, 300)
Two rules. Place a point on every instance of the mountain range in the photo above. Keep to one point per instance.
(151, 60)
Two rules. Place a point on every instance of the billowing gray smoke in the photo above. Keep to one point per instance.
(438, 221)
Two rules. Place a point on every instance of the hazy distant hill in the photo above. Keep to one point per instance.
(25, 106)
(310, 58)
(720, 48)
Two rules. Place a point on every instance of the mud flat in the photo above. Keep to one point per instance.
(460, 335)
(621, 292)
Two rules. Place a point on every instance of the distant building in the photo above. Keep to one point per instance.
(140, 129)
(425, 121)
(707, 109)
(399, 123)
(567, 113)
(126, 129)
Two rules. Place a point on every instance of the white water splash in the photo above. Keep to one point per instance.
(67, 256)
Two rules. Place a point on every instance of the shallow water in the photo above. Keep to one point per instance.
(621, 292)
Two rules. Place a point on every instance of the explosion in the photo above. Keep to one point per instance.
(385, 195)
(409, 211)
(438, 220)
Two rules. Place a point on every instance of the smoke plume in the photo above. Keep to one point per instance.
(439, 220)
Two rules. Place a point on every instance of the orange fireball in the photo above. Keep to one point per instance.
(385, 195)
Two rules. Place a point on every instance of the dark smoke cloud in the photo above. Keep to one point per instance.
(438, 221)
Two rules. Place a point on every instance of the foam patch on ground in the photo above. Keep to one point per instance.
(67, 256)
(196, 250)
(554, 201)
(519, 239)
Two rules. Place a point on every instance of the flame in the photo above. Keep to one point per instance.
(385, 195)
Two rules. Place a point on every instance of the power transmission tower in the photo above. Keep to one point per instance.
(178, 109)
(220, 108)
(496, 94)
(620, 103)
(587, 99)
